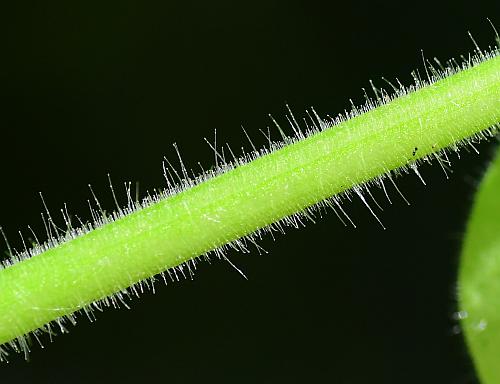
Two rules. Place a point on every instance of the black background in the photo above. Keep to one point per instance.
(90, 88)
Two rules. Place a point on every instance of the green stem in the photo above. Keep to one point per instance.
(108, 259)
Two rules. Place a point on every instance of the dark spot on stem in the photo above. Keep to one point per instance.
(414, 151)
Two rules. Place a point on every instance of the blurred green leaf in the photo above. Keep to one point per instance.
(479, 278)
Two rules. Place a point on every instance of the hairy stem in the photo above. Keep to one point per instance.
(71, 275)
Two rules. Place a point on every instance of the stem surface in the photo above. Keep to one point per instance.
(109, 259)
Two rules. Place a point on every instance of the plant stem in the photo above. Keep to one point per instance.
(174, 230)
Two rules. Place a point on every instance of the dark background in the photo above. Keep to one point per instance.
(90, 88)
